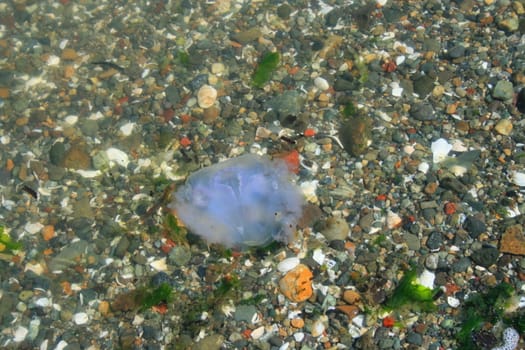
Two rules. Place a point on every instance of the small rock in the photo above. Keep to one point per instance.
(296, 285)
(69, 54)
(351, 296)
(503, 127)
(485, 256)
(422, 112)
(474, 226)
(350, 311)
(435, 240)
(80, 318)
(503, 90)
(321, 84)
(520, 101)
(288, 264)
(356, 135)
(76, 158)
(336, 228)
(513, 241)
(206, 96)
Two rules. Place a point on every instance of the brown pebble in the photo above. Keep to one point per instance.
(431, 188)
(48, 232)
(69, 54)
(210, 115)
(103, 307)
(77, 158)
(513, 240)
(350, 311)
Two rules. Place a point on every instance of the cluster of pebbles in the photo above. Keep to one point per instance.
(407, 119)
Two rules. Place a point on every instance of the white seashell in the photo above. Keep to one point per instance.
(288, 264)
(117, 156)
(257, 333)
(20, 334)
(159, 265)
(321, 84)
(33, 227)
(127, 128)
(206, 96)
(440, 149)
(80, 318)
(518, 178)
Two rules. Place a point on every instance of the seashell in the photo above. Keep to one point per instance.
(287, 264)
(206, 96)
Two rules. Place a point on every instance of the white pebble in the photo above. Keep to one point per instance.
(127, 128)
(287, 264)
(321, 84)
(518, 178)
(318, 328)
(20, 334)
(71, 119)
(33, 227)
(427, 279)
(453, 302)
(298, 336)
(423, 167)
(318, 256)
(257, 333)
(440, 149)
(80, 318)
(159, 265)
(53, 60)
(511, 338)
(117, 156)
(5, 140)
(43, 302)
(397, 90)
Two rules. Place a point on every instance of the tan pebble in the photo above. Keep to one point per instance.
(22, 121)
(69, 71)
(4, 92)
(451, 108)
(351, 296)
(318, 328)
(431, 188)
(504, 127)
(296, 285)
(69, 54)
(438, 91)
(103, 307)
(297, 322)
(206, 96)
(218, 68)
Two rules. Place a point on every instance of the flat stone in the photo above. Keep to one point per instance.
(513, 241)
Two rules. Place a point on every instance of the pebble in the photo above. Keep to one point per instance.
(206, 96)
(485, 256)
(504, 127)
(335, 228)
(503, 90)
(513, 240)
(296, 285)
(321, 84)
(117, 156)
(20, 334)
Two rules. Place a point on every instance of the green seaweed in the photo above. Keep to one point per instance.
(412, 294)
(266, 67)
(7, 242)
(349, 110)
(161, 294)
(482, 308)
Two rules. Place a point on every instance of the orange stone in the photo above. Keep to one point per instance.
(4, 92)
(296, 285)
(297, 322)
(513, 240)
(69, 54)
(48, 232)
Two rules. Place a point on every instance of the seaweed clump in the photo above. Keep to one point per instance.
(265, 69)
(410, 293)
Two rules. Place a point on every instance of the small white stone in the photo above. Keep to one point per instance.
(287, 264)
(36, 268)
(393, 220)
(71, 119)
(20, 334)
(159, 265)
(440, 149)
(80, 318)
(298, 336)
(397, 91)
(427, 279)
(88, 174)
(423, 167)
(218, 68)
(319, 256)
(453, 302)
(53, 60)
(117, 156)
(321, 84)
(257, 333)
(127, 128)
(43, 302)
(318, 328)
(400, 59)
(33, 227)
(5, 139)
